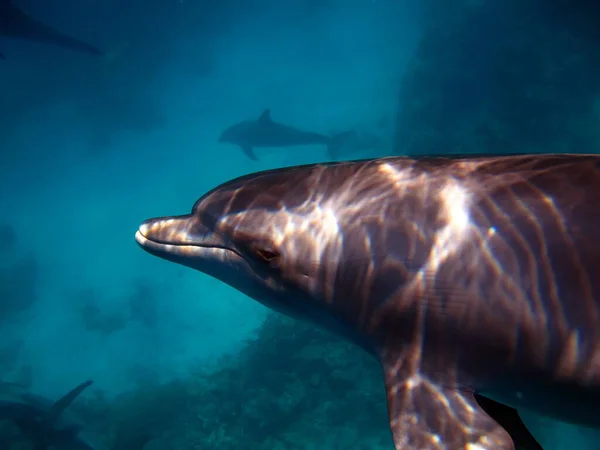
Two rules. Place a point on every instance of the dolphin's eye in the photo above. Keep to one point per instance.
(258, 250)
(266, 255)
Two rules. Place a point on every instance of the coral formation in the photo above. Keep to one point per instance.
(290, 382)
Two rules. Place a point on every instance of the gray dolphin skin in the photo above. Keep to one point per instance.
(14, 23)
(465, 277)
(264, 132)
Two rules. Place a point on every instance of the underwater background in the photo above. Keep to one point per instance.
(92, 145)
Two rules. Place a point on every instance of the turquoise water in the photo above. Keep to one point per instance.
(91, 146)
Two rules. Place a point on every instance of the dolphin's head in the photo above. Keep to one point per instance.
(276, 236)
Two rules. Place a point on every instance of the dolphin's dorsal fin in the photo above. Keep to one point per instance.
(63, 403)
(265, 116)
(425, 414)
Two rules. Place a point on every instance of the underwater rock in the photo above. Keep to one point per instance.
(500, 77)
(282, 390)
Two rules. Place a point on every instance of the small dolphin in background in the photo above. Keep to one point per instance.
(473, 280)
(14, 23)
(266, 133)
(43, 420)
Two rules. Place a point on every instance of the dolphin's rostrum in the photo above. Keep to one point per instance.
(464, 276)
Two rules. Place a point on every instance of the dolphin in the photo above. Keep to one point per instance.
(49, 426)
(14, 23)
(464, 276)
(43, 420)
(264, 132)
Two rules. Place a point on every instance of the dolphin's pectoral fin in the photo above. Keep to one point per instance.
(249, 151)
(426, 416)
(63, 403)
(510, 419)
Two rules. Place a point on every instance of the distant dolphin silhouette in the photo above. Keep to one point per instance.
(14, 23)
(49, 426)
(43, 420)
(266, 133)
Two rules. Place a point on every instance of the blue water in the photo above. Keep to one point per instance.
(90, 147)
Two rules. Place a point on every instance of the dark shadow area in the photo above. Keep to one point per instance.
(287, 382)
(499, 77)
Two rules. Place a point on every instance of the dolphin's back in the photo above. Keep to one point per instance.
(521, 233)
(499, 256)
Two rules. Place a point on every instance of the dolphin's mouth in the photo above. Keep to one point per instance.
(161, 248)
(168, 238)
(146, 243)
(160, 234)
